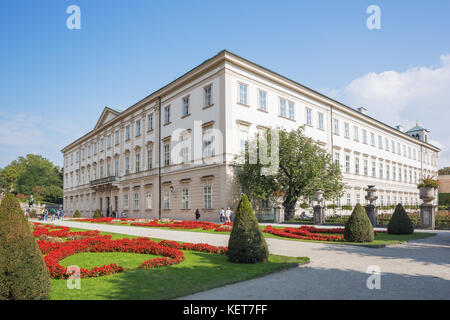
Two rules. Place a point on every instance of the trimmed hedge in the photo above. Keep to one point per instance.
(23, 273)
(358, 228)
(247, 243)
(76, 214)
(400, 223)
(97, 214)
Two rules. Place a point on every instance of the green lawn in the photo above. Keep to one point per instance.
(199, 272)
(381, 239)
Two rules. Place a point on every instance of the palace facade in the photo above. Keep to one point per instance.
(175, 151)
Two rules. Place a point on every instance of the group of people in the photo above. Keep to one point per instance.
(224, 215)
(53, 214)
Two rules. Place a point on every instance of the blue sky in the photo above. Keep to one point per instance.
(54, 82)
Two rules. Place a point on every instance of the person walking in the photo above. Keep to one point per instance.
(45, 214)
(197, 215)
(222, 215)
(27, 214)
(228, 215)
(61, 214)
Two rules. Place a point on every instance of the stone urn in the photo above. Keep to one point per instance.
(371, 210)
(319, 212)
(427, 194)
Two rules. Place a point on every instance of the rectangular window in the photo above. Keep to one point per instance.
(138, 128)
(127, 165)
(336, 126)
(150, 122)
(116, 167)
(167, 154)
(320, 124)
(262, 100)
(374, 168)
(102, 144)
(127, 133)
(309, 116)
(372, 139)
(136, 200)
(207, 144)
(243, 138)
(381, 171)
(347, 130)
(399, 151)
(149, 158)
(337, 158)
(347, 163)
(349, 199)
(186, 110)
(207, 91)
(393, 146)
(404, 152)
(116, 137)
(282, 107)
(291, 110)
(364, 134)
(138, 162)
(386, 144)
(95, 147)
(167, 115)
(207, 197)
(243, 95)
(366, 167)
(356, 165)
(149, 200)
(380, 142)
(356, 133)
(185, 198)
(109, 141)
(394, 172)
(125, 201)
(400, 174)
(89, 151)
(166, 199)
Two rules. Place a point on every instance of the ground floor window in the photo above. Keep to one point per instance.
(167, 199)
(125, 201)
(136, 200)
(207, 197)
(185, 199)
(149, 200)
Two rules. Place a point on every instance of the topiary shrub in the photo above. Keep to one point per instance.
(76, 214)
(97, 214)
(246, 243)
(358, 227)
(23, 273)
(400, 222)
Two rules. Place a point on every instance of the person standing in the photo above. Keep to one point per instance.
(222, 215)
(197, 215)
(61, 214)
(228, 214)
(27, 214)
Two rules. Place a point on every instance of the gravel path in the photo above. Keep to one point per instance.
(416, 270)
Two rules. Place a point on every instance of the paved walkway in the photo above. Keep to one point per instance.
(416, 270)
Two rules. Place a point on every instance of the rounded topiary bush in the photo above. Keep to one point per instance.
(97, 214)
(247, 243)
(400, 223)
(76, 214)
(23, 273)
(358, 227)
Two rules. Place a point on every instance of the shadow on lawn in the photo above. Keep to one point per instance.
(309, 283)
(199, 272)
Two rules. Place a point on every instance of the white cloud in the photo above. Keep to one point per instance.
(417, 94)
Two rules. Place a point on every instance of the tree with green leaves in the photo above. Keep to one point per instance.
(246, 243)
(23, 273)
(304, 167)
(444, 171)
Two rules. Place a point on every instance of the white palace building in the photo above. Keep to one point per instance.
(116, 165)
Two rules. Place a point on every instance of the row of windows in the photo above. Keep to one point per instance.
(381, 201)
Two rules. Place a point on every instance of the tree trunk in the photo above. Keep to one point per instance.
(289, 210)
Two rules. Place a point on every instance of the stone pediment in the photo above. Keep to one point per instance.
(107, 115)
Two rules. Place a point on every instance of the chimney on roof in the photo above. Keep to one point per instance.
(362, 110)
(399, 127)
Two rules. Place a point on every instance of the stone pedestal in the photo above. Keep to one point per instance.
(319, 215)
(427, 216)
(372, 213)
(279, 214)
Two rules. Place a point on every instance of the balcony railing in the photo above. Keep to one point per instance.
(103, 181)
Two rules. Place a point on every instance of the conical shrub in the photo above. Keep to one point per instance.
(400, 222)
(358, 227)
(76, 214)
(97, 214)
(23, 273)
(246, 243)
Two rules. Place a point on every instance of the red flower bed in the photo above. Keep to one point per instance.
(54, 252)
(310, 233)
